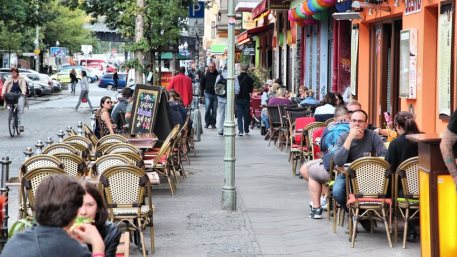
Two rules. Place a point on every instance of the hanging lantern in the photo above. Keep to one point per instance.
(317, 6)
(305, 9)
(321, 16)
(300, 14)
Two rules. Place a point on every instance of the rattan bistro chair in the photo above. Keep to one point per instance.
(407, 204)
(125, 189)
(81, 149)
(88, 133)
(29, 185)
(135, 158)
(108, 161)
(369, 177)
(73, 165)
(112, 138)
(122, 147)
(39, 161)
(80, 140)
(60, 148)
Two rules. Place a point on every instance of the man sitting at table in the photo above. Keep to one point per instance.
(316, 172)
(356, 143)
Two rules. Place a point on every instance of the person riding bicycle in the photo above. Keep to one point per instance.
(16, 84)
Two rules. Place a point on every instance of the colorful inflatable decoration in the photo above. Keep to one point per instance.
(311, 7)
(300, 14)
(309, 21)
(316, 6)
(295, 15)
(290, 16)
(304, 7)
(326, 3)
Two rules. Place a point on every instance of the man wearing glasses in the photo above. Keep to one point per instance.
(356, 143)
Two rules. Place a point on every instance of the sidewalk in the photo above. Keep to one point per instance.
(272, 215)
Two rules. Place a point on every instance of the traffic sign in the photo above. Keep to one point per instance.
(58, 51)
(197, 10)
(196, 27)
(36, 51)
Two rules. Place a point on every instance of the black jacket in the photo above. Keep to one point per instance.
(246, 86)
(208, 82)
(73, 78)
(111, 236)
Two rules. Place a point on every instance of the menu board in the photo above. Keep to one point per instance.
(445, 35)
(144, 110)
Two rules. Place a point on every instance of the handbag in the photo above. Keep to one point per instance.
(84, 100)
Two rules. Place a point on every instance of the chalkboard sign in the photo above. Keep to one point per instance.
(145, 102)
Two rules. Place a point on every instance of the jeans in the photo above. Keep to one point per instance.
(242, 110)
(20, 108)
(221, 102)
(73, 87)
(84, 93)
(265, 121)
(211, 108)
(339, 190)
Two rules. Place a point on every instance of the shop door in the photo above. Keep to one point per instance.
(384, 70)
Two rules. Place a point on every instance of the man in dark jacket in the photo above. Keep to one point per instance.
(207, 86)
(243, 90)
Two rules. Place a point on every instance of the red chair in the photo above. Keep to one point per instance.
(255, 110)
(296, 149)
(317, 134)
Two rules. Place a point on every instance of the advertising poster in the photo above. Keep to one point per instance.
(444, 60)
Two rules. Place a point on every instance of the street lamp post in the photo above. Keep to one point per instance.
(229, 188)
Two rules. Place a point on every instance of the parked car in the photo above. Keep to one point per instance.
(108, 81)
(33, 86)
(45, 85)
(63, 76)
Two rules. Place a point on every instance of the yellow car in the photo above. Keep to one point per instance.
(63, 76)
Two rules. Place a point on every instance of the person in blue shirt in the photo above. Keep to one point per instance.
(310, 98)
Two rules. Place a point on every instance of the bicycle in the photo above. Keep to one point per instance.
(12, 105)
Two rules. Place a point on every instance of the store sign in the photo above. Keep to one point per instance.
(249, 51)
(278, 5)
(412, 6)
(408, 63)
(259, 9)
(248, 21)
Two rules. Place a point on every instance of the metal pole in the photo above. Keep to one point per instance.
(139, 35)
(229, 189)
(5, 189)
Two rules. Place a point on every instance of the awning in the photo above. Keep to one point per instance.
(266, 5)
(246, 35)
(245, 6)
(169, 56)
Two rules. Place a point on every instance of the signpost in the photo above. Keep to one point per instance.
(197, 23)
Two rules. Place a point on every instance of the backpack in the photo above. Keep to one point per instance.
(221, 86)
(330, 138)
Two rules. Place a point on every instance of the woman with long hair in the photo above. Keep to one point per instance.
(74, 80)
(94, 208)
(84, 91)
(103, 117)
(401, 149)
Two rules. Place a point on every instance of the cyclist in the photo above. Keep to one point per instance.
(16, 84)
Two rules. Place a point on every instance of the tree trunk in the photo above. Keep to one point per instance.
(139, 34)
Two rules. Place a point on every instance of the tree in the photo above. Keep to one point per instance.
(163, 20)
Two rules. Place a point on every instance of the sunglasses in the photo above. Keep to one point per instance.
(108, 102)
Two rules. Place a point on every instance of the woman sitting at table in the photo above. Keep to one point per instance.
(94, 208)
(57, 201)
(280, 98)
(177, 112)
(104, 122)
(401, 149)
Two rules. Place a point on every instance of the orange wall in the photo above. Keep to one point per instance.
(425, 106)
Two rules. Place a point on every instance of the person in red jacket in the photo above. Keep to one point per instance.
(183, 85)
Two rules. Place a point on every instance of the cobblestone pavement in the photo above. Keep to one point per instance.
(271, 217)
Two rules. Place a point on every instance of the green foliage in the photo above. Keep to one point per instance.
(20, 226)
(67, 28)
(260, 76)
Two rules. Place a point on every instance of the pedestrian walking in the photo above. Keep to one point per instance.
(243, 90)
(221, 92)
(74, 81)
(182, 85)
(116, 79)
(207, 86)
(84, 95)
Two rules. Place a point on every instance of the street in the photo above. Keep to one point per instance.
(272, 207)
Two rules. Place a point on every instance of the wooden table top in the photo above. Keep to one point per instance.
(142, 141)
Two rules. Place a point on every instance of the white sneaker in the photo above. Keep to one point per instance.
(324, 203)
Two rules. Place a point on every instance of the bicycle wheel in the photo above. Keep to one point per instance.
(11, 124)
